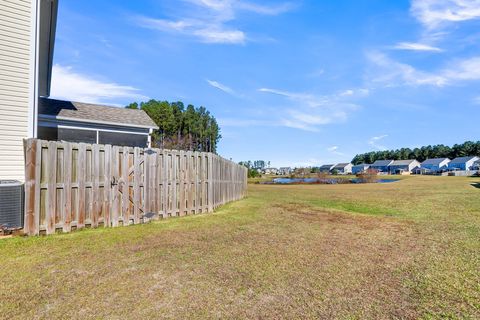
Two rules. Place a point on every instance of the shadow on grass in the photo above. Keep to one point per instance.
(476, 185)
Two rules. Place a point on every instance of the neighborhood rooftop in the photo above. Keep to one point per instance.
(462, 159)
(402, 162)
(382, 163)
(435, 161)
(76, 111)
(342, 165)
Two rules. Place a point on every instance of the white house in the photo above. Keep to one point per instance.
(404, 166)
(270, 171)
(435, 164)
(27, 33)
(285, 170)
(343, 168)
(27, 40)
(463, 163)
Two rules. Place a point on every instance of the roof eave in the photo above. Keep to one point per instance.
(47, 27)
(46, 116)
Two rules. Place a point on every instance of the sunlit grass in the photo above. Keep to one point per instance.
(408, 249)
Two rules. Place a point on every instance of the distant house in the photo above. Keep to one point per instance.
(326, 168)
(435, 165)
(463, 163)
(404, 166)
(285, 170)
(343, 168)
(381, 166)
(270, 171)
(92, 123)
(359, 168)
(476, 165)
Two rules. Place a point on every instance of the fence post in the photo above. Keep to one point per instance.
(67, 187)
(33, 157)
(107, 187)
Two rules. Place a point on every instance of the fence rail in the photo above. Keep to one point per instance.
(73, 185)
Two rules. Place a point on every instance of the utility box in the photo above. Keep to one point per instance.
(11, 203)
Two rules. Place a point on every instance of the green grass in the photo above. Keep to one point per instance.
(408, 249)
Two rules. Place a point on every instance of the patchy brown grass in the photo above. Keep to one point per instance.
(285, 252)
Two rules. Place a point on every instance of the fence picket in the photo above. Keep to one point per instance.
(65, 178)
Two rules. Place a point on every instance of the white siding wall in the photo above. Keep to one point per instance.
(16, 79)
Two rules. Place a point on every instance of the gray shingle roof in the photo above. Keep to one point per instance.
(87, 112)
(402, 162)
(341, 165)
(361, 165)
(327, 166)
(434, 161)
(382, 163)
(463, 159)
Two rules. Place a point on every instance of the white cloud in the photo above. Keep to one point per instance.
(221, 87)
(334, 150)
(67, 84)
(374, 142)
(476, 100)
(436, 13)
(309, 112)
(393, 73)
(468, 69)
(416, 47)
(208, 20)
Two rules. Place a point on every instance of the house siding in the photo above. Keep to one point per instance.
(16, 79)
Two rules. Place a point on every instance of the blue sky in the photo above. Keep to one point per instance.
(297, 83)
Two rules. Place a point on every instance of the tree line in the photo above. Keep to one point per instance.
(468, 148)
(254, 166)
(190, 128)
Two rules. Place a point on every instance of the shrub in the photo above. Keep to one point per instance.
(368, 176)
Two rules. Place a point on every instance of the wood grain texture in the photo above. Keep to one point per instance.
(73, 185)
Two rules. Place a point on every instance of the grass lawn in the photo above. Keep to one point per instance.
(408, 249)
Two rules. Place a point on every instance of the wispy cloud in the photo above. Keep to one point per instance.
(309, 111)
(413, 46)
(374, 142)
(434, 14)
(208, 21)
(394, 73)
(221, 87)
(334, 150)
(70, 85)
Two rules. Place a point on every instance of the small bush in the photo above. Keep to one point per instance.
(368, 176)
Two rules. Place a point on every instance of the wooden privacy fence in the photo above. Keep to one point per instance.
(72, 185)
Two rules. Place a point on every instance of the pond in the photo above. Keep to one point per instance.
(324, 181)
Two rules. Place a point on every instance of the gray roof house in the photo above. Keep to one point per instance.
(326, 168)
(381, 165)
(343, 168)
(359, 168)
(434, 164)
(27, 44)
(463, 163)
(93, 123)
(404, 166)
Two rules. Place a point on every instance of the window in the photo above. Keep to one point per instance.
(75, 135)
(47, 133)
(123, 139)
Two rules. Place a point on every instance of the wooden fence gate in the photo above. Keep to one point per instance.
(73, 185)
